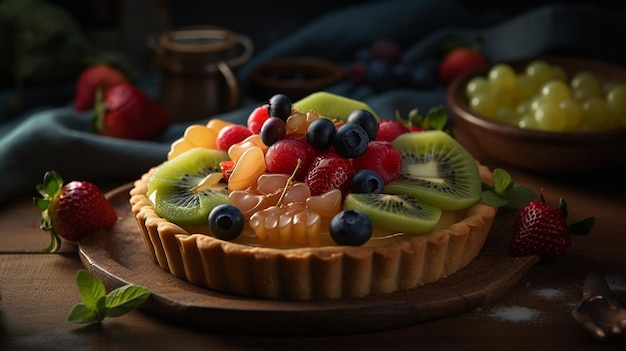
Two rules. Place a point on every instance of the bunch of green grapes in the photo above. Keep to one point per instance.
(543, 97)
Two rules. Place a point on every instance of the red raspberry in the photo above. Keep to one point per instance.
(283, 155)
(230, 135)
(389, 129)
(382, 158)
(329, 171)
(257, 117)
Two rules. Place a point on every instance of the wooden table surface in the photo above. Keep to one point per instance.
(37, 291)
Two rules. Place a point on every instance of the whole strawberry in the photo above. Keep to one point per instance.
(88, 82)
(71, 211)
(459, 61)
(541, 229)
(329, 171)
(125, 111)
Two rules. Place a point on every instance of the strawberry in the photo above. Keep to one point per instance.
(71, 211)
(458, 61)
(389, 129)
(88, 82)
(329, 171)
(125, 111)
(541, 229)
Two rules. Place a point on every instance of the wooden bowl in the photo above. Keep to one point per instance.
(295, 77)
(539, 151)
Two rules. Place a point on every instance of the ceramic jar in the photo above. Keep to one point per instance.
(198, 70)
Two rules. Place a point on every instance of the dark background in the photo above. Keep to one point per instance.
(125, 27)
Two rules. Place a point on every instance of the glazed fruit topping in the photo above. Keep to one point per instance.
(290, 176)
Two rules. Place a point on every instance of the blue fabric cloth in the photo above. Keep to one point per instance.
(49, 135)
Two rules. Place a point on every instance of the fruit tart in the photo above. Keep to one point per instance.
(309, 202)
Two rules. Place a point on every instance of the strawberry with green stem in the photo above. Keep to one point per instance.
(90, 80)
(539, 228)
(73, 210)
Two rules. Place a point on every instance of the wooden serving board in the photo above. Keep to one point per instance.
(119, 256)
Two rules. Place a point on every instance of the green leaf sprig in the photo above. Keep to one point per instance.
(435, 119)
(97, 304)
(505, 193)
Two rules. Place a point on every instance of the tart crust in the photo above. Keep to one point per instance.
(326, 272)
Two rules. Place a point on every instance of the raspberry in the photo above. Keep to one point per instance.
(382, 158)
(257, 117)
(282, 157)
(388, 130)
(230, 135)
(329, 171)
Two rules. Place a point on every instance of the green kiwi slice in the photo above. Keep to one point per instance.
(331, 105)
(403, 213)
(185, 189)
(436, 169)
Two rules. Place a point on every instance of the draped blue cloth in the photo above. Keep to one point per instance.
(47, 134)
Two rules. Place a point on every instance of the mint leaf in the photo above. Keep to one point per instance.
(125, 299)
(506, 193)
(437, 118)
(83, 314)
(97, 304)
(91, 289)
(519, 196)
(493, 199)
(502, 181)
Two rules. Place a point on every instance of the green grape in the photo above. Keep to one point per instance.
(583, 93)
(526, 87)
(476, 86)
(503, 97)
(550, 117)
(556, 90)
(523, 108)
(507, 115)
(616, 100)
(539, 71)
(587, 80)
(596, 114)
(527, 121)
(574, 114)
(503, 76)
(559, 73)
(484, 104)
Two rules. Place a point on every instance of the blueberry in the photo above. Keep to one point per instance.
(351, 140)
(351, 227)
(321, 133)
(366, 120)
(226, 222)
(367, 181)
(280, 106)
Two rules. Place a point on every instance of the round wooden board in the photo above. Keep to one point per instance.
(119, 256)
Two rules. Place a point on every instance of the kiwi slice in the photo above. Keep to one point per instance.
(331, 105)
(403, 213)
(185, 189)
(436, 169)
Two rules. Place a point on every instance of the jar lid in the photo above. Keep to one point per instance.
(198, 40)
